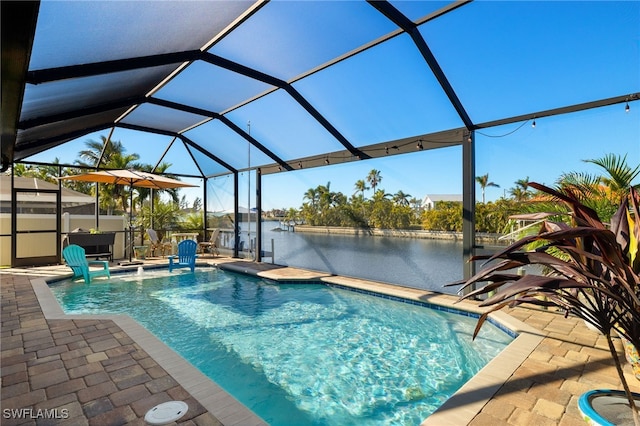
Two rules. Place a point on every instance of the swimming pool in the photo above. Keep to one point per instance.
(301, 353)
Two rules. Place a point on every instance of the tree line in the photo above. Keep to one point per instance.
(324, 207)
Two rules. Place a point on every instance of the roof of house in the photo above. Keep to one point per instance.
(68, 196)
(441, 197)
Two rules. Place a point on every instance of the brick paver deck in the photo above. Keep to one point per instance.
(93, 373)
(86, 372)
(569, 361)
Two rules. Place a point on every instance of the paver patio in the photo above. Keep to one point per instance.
(89, 372)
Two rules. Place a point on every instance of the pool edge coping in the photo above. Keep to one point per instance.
(466, 403)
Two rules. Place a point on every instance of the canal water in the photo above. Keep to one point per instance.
(419, 263)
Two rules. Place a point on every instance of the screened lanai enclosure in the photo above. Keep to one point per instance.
(258, 101)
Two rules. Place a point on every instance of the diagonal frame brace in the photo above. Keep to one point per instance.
(410, 28)
(273, 81)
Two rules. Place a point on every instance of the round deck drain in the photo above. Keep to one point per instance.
(166, 412)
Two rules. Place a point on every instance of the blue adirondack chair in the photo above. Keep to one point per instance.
(186, 257)
(75, 257)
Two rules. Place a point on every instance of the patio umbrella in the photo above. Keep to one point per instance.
(130, 178)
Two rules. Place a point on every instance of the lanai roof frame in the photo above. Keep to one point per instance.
(30, 130)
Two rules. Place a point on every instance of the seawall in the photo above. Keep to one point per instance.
(482, 238)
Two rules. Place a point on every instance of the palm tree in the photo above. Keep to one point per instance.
(518, 194)
(327, 198)
(380, 195)
(401, 198)
(620, 174)
(122, 161)
(91, 156)
(143, 193)
(292, 215)
(359, 201)
(484, 183)
(521, 192)
(197, 204)
(523, 183)
(193, 222)
(360, 187)
(325, 194)
(165, 216)
(374, 178)
(312, 196)
(588, 189)
(112, 158)
(602, 192)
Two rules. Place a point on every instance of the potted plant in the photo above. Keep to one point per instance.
(592, 272)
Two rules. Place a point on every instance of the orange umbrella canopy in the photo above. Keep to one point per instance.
(130, 178)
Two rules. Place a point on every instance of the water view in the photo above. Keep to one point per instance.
(419, 263)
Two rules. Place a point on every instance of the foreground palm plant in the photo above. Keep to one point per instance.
(593, 272)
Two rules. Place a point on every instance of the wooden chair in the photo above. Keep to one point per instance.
(157, 243)
(186, 257)
(212, 244)
(76, 259)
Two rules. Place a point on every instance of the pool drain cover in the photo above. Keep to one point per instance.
(166, 412)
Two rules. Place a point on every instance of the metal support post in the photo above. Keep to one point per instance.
(258, 256)
(468, 205)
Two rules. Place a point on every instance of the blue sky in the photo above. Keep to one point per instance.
(556, 54)
(555, 146)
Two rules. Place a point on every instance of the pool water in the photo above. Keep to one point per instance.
(303, 354)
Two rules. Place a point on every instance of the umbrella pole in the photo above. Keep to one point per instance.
(130, 221)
